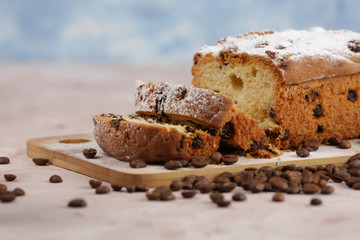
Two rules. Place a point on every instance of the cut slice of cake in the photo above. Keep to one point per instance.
(299, 85)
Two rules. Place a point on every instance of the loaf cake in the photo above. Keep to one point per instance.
(201, 108)
(299, 85)
(129, 137)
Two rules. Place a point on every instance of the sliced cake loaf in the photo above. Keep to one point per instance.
(299, 85)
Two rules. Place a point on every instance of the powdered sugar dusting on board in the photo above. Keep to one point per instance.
(191, 103)
(291, 44)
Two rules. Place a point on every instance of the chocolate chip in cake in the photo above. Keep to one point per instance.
(137, 163)
(313, 95)
(270, 54)
(312, 144)
(102, 190)
(55, 179)
(200, 161)
(213, 132)
(117, 121)
(95, 183)
(319, 129)
(254, 146)
(7, 196)
(283, 63)
(286, 136)
(4, 160)
(19, 192)
(159, 105)
(354, 45)
(272, 112)
(116, 187)
(315, 202)
(196, 142)
(229, 159)
(173, 164)
(302, 152)
(89, 152)
(181, 92)
(228, 131)
(344, 144)
(181, 143)
(9, 177)
(77, 203)
(334, 141)
(188, 193)
(190, 129)
(239, 196)
(352, 97)
(318, 111)
(278, 197)
(216, 158)
(41, 161)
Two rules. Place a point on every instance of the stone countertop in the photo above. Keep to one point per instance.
(39, 100)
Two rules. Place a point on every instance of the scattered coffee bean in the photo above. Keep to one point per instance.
(41, 161)
(355, 163)
(225, 187)
(19, 192)
(55, 179)
(116, 187)
(165, 193)
(216, 197)
(302, 152)
(344, 144)
(278, 197)
(7, 196)
(184, 162)
(229, 159)
(102, 190)
(137, 163)
(310, 188)
(4, 160)
(223, 203)
(95, 183)
(173, 164)
(216, 158)
(77, 203)
(327, 190)
(130, 188)
(176, 185)
(334, 141)
(89, 152)
(188, 193)
(153, 196)
(312, 145)
(3, 187)
(315, 202)
(239, 196)
(200, 161)
(206, 187)
(354, 157)
(356, 186)
(190, 178)
(9, 177)
(141, 188)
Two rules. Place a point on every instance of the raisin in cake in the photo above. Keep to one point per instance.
(132, 136)
(201, 108)
(298, 84)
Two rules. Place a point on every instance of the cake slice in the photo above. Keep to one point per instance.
(205, 109)
(299, 85)
(133, 136)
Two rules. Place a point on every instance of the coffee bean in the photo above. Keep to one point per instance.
(355, 163)
(257, 187)
(7, 196)
(184, 162)
(116, 187)
(19, 192)
(55, 179)
(315, 202)
(312, 145)
(344, 144)
(141, 188)
(165, 193)
(188, 193)
(4, 160)
(302, 152)
(77, 203)
(307, 178)
(293, 189)
(173, 165)
(190, 178)
(267, 170)
(229, 159)
(216, 197)
(221, 179)
(268, 187)
(355, 172)
(225, 187)
(130, 188)
(153, 196)
(310, 188)
(356, 186)
(199, 161)
(290, 167)
(3, 187)
(228, 175)
(322, 183)
(9, 177)
(239, 196)
(223, 203)
(278, 197)
(41, 161)
(102, 190)
(200, 180)
(89, 152)
(354, 157)
(216, 158)
(176, 185)
(334, 141)
(95, 183)
(188, 185)
(137, 163)
(279, 183)
(206, 187)
(327, 190)
(351, 181)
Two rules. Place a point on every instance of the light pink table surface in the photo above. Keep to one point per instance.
(50, 100)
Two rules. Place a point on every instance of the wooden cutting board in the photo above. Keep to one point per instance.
(66, 152)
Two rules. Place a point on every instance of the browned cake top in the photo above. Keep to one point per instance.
(299, 55)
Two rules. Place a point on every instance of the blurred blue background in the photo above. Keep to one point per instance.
(150, 31)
